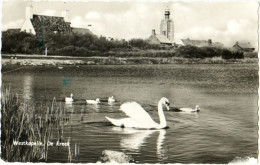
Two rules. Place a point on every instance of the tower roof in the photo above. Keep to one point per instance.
(167, 13)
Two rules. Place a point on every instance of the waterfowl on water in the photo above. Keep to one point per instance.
(197, 108)
(139, 118)
(93, 101)
(111, 99)
(69, 99)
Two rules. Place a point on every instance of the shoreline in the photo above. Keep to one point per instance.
(39, 60)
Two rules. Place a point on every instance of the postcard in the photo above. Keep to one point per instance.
(158, 82)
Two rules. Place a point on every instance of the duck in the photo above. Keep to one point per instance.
(60, 67)
(197, 108)
(93, 101)
(69, 99)
(139, 118)
(111, 99)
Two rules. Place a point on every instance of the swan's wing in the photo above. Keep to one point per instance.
(136, 112)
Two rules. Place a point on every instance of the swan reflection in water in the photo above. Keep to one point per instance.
(95, 107)
(136, 138)
(111, 103)
(69, 107)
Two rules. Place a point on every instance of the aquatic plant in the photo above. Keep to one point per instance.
(16, 127)
(25, 134)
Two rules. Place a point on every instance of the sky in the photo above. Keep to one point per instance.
(221, 21)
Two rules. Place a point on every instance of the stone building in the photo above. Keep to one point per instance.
(159, 39)
(167, 27)
(166, 36)
(243, 46)
(202, 43)
(41, 25)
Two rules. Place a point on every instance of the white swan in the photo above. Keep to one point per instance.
(111, 99)
(69, 99)
(197, 108)
(93, 101)
(139, 118)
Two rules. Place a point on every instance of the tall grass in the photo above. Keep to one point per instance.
(16, 125)
(20, 123)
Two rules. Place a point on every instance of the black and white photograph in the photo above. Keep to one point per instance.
(143, 82)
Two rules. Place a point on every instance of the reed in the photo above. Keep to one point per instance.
(16, 126)
(20, 123)
(73, 155)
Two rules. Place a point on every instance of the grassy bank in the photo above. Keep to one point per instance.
(57, 60)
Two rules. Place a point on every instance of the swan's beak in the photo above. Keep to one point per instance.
(167, 105)
(168, 108)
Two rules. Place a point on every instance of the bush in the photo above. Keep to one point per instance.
(81, 51)
(251, 54)
(18, 42)
(66, 51)
(189, 52)
(227, 54)
(238, 55)
(207, 52)
(88, 45)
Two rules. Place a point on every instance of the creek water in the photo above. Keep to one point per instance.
(225, 128)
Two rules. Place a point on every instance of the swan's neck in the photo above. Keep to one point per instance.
(161, 115)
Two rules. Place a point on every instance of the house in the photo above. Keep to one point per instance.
(243, 46)
(81, 31)
(14, 30)
(41, 25)
(159, 39)
(202, 43)
(197, 43)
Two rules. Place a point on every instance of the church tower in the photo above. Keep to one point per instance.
(167, 27)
